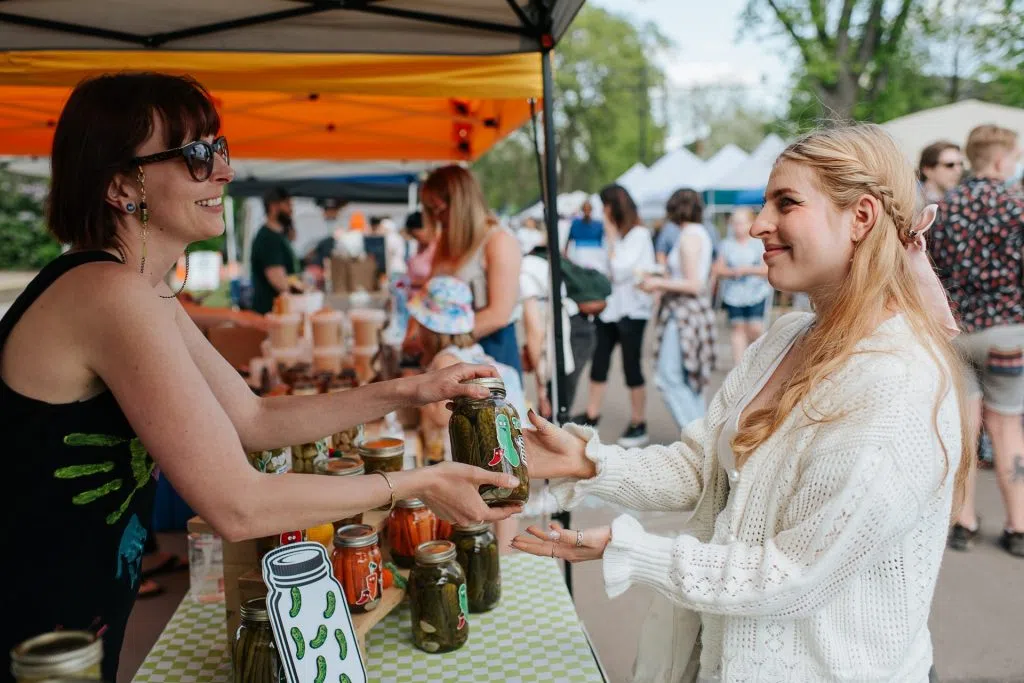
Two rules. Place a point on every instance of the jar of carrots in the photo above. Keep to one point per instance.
(358, 566)
(410, 524)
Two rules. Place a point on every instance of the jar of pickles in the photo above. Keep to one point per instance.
(358, 566)
(76, 654)
(254, 655)
(384, 454)
(410, 524)
(476, 548)
(306, 456)
(487, 433)
(343, 467)
(437, 597)
(273, 461)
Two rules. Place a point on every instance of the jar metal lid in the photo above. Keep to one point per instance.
(494, 384)
(384, 447)
(435, 552)
(56, 654)
(355, 536)
(341, 467)
(410, 503)
(472, 528)
(255, 610)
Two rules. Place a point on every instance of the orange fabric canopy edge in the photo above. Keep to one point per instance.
(300, 106)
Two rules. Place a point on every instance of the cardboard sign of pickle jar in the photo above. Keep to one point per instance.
(487, 433)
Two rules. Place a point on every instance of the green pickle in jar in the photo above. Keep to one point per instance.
(254, 654)
(476, 549)
(487, 433)
(273, 461)
(438, 599)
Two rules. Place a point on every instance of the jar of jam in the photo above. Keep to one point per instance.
(476, 548)
(76, 654)
(410, 524)
(358, 566)
(384, 454)
(487, 433)
(343, 467)
(437, 598)
(254, 655)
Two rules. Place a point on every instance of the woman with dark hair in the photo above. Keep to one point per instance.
(630, 257)
(686, 321)
(940, 169)
(103, 377)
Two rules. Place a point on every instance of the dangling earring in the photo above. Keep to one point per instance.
(144, 211)
(183, 282)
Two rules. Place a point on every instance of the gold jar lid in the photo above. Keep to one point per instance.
(343, 466)
(355, 536)
(255, 610)
(410, 503)
(472, 528)
(493, 384)
(384, 447)
(435, 552)
(60, 653)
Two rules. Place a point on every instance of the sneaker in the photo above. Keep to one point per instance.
(585, 420)
(635, 436)
(1013, 542)
(962, 538)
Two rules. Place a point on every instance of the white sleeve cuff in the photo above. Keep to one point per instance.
(608, 459)
(635, 556)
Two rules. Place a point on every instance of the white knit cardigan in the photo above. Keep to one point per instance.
(818, 560)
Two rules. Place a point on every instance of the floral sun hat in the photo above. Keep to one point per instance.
(444, 305)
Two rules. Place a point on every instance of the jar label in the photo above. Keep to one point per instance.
(509, 449)
(463, 606)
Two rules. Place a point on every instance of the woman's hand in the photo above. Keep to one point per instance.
(555, 453)
(451, 490)
(649, 284)
(564, 544)
(447, 383)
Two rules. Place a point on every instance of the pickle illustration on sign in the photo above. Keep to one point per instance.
(506, 446)
(309, 616)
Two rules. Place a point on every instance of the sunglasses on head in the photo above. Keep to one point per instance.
(199, 157)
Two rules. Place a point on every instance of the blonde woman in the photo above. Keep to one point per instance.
(817, 491)
(473, 247)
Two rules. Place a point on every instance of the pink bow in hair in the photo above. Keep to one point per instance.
(935, 300)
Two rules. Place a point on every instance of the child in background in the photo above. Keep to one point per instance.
(440, 332)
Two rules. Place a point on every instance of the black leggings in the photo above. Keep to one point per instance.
(630, 334)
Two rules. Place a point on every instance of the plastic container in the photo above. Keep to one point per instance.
(285, 360)
(358, 566)
(366, 325)
(362, 359)
(328, 359)
(328, 328)
(205, 568)
(71, 654)
(284, 329)
(438, 599)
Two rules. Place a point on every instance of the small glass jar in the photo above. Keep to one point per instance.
(437, 597)
(306, 456)
(487, 433)
(273, 461)
(384, 454)
(347, 440)
(343, 467)
(77, 654)
(410, 524)
(254, 655)
(358, 566)
(476, 547)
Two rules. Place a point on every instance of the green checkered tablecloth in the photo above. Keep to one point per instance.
(533, 635)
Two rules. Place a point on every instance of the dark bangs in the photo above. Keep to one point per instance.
(102, 125)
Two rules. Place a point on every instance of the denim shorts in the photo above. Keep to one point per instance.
(744, 314)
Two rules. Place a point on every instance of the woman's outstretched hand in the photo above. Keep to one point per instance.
(447, 383)
(565, 544)
(554, 453)
(451, 490)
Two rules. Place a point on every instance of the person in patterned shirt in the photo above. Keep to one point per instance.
(976, 247)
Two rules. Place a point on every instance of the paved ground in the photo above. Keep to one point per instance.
(977, 620)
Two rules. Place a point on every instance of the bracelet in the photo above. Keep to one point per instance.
(390, 488)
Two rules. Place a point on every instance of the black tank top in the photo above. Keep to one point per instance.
(77, 494)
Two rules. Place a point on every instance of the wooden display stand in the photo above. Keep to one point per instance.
(243, 579)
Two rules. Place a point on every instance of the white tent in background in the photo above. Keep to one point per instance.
(568, 203)
(634, 178)
(679, 168)
(753, 173)
(950, 122)
(724, 162)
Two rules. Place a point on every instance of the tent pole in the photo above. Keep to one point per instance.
(550, 198)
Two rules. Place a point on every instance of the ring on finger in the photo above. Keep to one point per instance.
(552, 550)
(579, 539)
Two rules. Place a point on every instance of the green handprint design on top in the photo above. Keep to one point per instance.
(142, 470)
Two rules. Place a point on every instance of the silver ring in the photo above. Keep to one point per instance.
(579, 539)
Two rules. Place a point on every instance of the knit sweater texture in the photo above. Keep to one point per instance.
(817, 561)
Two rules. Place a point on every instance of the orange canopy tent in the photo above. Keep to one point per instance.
(301, 106)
